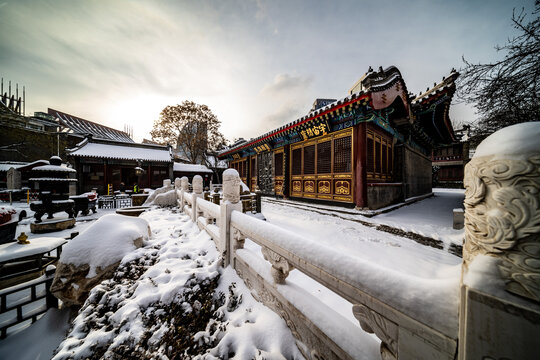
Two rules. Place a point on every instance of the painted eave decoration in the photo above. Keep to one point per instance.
(382, 100)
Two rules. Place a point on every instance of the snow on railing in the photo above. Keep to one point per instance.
(414, 318)
(381, 298)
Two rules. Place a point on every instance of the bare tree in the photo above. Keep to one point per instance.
(506, 92)
(192, 128)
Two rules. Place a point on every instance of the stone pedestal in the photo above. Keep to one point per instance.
(52, 225)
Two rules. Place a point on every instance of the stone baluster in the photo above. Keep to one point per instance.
(500, 285)
(231, 201)
(184, 187)
(166, 182)
(177, 184)
(197, 193)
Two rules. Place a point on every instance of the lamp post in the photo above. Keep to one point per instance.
(138, 171)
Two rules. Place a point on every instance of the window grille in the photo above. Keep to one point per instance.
(384, 158)
(370, 155)
(278, 162)
(324, 157)
(309, 159)
(253, 170)
(377, 155)
(342, 154)
(297, 161)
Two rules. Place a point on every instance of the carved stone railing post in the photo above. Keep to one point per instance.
(184, 185)
(197, 193)
(500, 291)
(280, 266)
(177, 184)
(231, 201)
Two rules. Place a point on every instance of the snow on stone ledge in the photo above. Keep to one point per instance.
(105, 242)
(516, 139)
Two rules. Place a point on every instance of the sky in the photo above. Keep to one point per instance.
(257, 64)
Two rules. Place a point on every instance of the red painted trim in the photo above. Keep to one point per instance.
(300, 123)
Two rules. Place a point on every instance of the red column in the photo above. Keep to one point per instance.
(360, 164)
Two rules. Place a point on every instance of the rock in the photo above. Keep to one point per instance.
(70, 284)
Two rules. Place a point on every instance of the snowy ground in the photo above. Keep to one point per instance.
(134, 308)
(157, 290)
(431, 217)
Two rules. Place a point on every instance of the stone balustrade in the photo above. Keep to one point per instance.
(498, 316)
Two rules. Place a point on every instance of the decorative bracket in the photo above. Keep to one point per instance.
(280, 266)
(374, 323)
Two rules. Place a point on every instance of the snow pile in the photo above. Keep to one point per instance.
(515, 139)
(105, 242)
(165, 302)
(155, 193)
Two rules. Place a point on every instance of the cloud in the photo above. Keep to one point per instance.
(284, 114)
(283, 83)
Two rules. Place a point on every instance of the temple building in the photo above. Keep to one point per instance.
(370, 149)
(104, 163)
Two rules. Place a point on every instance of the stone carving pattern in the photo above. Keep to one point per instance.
(311, 347)
(502, 219)
(280, 266)
(238, 239)
(374, 323)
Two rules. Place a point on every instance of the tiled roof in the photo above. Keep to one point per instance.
(84, 127)
(122, 151)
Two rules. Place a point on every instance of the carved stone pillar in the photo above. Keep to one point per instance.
(184, 181)
(500, 306)
(197, 184)
(166, 182)
(177, 184)
(231, 202)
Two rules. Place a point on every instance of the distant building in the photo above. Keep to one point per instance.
(370, 149)
(102, 162)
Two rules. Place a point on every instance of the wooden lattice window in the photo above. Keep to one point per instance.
(370, 155)
(253, 170)
(297, 161)
(278, 163)
(245, 168)
(324, 157)
(309, 159)
(342, 154)
(379, 156)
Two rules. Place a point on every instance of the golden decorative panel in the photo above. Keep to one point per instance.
(297, 186)
(342, 187)
(309, 186)
(279, 187)
(324, 187)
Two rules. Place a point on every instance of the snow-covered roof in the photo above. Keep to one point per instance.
(193, 168)
(121, 151)
(54, 168)
(5, 166)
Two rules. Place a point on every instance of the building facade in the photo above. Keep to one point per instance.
(369, 149)
(100, 163)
